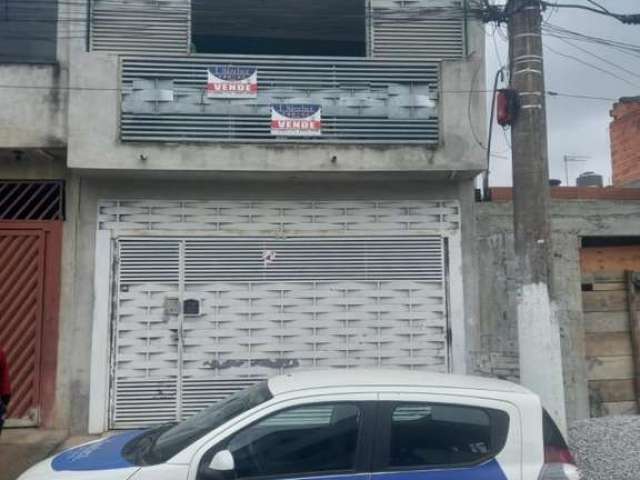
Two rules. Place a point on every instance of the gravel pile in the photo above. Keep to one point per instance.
(607, 448)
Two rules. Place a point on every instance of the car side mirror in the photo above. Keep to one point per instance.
(223, 462)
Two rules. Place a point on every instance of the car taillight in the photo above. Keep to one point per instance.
(559, 465)
(558, 455)
(558, 460)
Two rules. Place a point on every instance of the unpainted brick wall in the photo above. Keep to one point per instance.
(625, 142)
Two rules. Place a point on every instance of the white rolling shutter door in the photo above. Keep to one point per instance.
(338, 301)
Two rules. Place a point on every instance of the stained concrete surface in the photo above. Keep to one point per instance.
(22, 448)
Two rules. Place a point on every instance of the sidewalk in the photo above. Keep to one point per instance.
(20, 448)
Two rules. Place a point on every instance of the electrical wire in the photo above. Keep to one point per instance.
(551, 93)
(629, 50)
(485, 178)
(598, 57)
(596, 4)
(590, 65)
(474, 80)
(628, 18)
(557, 30)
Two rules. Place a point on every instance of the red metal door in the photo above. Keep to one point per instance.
(22, 272)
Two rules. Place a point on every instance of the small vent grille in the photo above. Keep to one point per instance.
(141, 26)
(29, 200)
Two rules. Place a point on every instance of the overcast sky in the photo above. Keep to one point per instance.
(576, 126)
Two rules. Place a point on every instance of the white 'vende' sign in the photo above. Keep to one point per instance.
(232, 81)
(296, 120)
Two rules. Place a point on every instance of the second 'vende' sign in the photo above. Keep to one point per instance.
(296, 120)
(229, 81)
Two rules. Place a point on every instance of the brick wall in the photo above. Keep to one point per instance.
(625, 142)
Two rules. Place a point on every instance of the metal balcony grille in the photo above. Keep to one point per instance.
(363, 100)
(31, 200)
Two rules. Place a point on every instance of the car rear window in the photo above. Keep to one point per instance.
(435, 435)
(551, 433)
(555, 446)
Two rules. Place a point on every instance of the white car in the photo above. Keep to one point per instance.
(340, 424)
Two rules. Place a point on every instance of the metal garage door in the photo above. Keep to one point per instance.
(199, 318)
(22, 255)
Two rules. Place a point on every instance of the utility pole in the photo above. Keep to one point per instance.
(538, 328)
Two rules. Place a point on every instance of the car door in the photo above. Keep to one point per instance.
(323, 439)
(441, 437)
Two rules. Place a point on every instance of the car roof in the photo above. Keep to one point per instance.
(316, 379)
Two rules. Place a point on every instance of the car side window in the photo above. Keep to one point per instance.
(425, 435)
(297, 441)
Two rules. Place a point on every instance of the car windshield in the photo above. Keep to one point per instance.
(161, 443)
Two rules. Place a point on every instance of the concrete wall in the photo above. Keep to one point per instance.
(498, 335)
(32, 106)
(34, 96)
(92, 189)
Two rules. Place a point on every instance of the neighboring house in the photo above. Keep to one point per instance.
(185, 241)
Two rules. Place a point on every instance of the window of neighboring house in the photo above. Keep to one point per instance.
(28, 30)
(279, 27)
(310, 439)
(435, 435)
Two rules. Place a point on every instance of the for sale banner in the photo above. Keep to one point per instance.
(296, 120)
(232, 81)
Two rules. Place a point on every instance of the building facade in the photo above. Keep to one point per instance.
(625, 142)
(246, 191)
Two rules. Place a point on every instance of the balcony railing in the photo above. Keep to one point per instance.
(362, 100)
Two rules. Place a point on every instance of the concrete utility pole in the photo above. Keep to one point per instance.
(539, 333)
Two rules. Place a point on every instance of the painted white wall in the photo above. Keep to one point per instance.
(539, 339)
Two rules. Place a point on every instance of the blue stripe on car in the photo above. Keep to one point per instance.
(487, 471)
(103, 455)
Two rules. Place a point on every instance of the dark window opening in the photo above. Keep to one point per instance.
(609, 241)
(437, 435)
(279, 27)
(28, 31)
